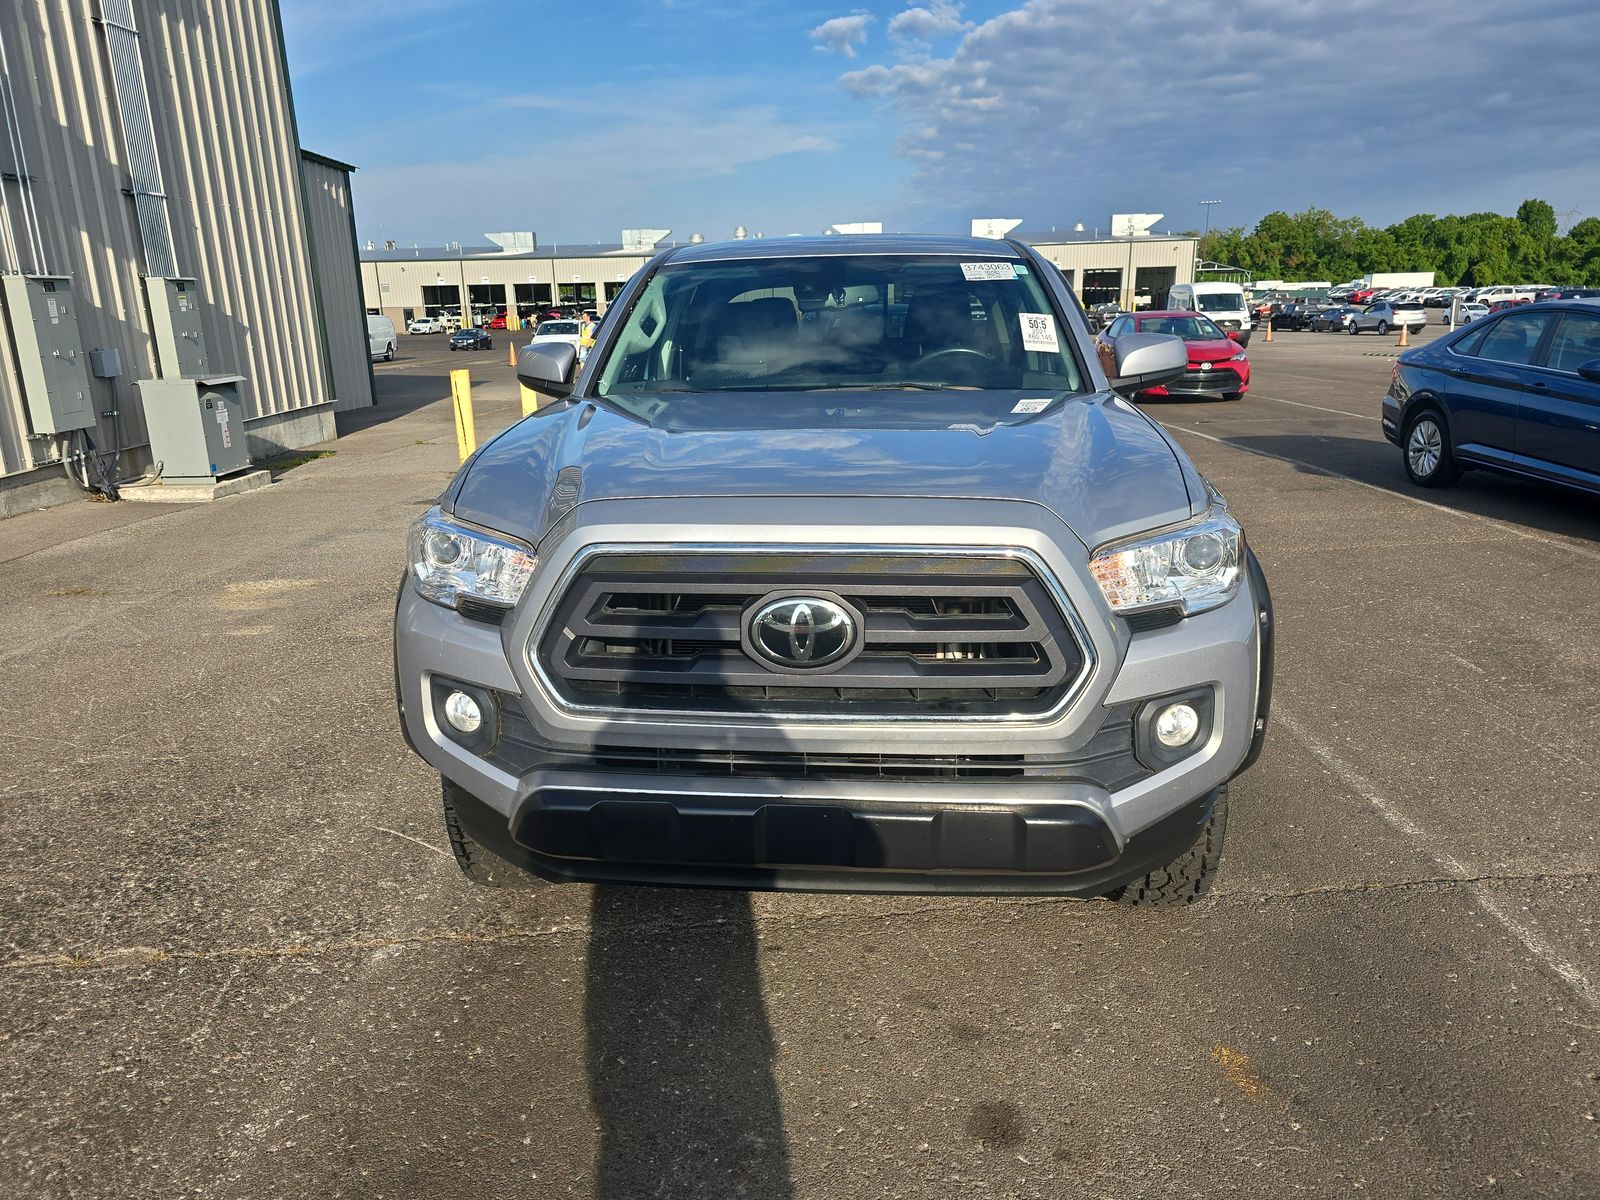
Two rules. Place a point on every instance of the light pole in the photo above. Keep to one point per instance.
(1208, 205)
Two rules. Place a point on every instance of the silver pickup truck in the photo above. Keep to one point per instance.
(840, 565)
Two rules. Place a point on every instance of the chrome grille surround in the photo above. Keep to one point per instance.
(1066, 695)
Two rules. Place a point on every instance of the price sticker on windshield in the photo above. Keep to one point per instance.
(1039, 332)
(1032, 404)
(977, 272)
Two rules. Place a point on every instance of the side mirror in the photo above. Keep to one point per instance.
(548, 368)
(1234, 335)
(1147, 360)
(1590, 370)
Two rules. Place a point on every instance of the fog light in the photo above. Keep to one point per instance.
(464, 715)
(1176, 725)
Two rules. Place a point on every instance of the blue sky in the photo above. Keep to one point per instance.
(577, 120)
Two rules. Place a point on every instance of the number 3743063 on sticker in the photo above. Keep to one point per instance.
(1039, 332)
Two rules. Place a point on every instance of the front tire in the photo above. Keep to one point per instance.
(1354, 329)
(1383, 328)
(1188, 877)
(478, 863)
(1429, 460)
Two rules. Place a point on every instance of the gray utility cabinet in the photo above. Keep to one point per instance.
(175, 325)
(44, 327)
(196, 427)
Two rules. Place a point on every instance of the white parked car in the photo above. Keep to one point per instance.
(1469, 312)
(570, 332)
(426, 325)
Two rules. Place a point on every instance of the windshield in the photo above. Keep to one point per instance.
(817, 324)
(1190, 329)
(548, 327)
(1219, 301)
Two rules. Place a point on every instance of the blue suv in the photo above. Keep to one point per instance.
(1518, 392)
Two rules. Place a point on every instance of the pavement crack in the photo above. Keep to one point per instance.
(1435, 882)
(145, 955)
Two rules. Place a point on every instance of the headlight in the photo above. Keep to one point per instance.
(1196, 568)
(450, 560)
(1237, 357)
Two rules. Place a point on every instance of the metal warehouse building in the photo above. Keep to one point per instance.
(160, 222)
(419, 281)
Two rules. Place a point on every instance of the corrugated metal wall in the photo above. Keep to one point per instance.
(230, 162)
(333, 242)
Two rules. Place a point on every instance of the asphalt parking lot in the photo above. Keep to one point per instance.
(239, 961)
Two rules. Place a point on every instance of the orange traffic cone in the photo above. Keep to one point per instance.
(513, 352)
(1269, 329)
(1405, 339)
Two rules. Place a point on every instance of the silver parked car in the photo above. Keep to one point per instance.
(1387, 315)
(841, 565)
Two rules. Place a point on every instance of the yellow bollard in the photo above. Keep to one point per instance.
(461, 394)
(1404, 339)
(530, 400)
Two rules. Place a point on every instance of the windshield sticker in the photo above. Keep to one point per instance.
(1034, 404)
(974, 272)
(1039, 332)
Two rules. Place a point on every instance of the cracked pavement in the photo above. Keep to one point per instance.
(238, 961)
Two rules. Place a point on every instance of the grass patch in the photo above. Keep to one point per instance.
(288, 462)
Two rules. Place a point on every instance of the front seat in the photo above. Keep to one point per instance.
(941, 319)
(753, 338)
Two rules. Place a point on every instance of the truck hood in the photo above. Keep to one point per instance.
(1094, 461)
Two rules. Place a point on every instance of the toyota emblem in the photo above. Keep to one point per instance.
(801, 633)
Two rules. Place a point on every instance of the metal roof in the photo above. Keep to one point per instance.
(844, 243)
(1054, 237)
(494, 254)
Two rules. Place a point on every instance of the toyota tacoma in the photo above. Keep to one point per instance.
(841, 564)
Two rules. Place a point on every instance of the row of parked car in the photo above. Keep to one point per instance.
(1377, 318)
(448, 320)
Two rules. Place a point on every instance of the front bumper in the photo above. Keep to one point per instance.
(594, 828)
(1222, 379)
(569, 814)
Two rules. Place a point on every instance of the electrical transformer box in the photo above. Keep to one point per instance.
(196, 427)
(175, 324)
(43, 313)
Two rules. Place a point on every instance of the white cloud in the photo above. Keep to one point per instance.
(843, 34)
(1061, 111)
(923, 23)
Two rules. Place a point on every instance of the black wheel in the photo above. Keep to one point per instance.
(1354, 328)
(1428, 457)
(478, 863)
(1383, 328)
(1188, 877)
(388, 355)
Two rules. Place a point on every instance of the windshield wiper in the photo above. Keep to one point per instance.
(902, 386)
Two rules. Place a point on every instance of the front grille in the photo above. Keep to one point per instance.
(941, 636)
(1218, 379)
(1107, 759)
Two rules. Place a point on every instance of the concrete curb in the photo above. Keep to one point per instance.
(197, 493)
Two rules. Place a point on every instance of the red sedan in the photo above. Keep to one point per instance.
(1217, 364)
(498, 321)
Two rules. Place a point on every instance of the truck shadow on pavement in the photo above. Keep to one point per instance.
(680, 1053)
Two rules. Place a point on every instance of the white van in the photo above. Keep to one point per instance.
(380, 337)
(1222, 302)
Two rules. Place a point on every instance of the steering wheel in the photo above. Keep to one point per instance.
(950, 352)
